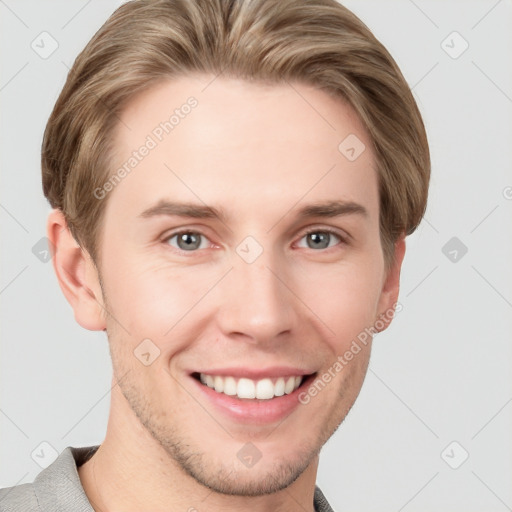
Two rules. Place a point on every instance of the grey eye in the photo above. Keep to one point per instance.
(186, 240)
(320, 239)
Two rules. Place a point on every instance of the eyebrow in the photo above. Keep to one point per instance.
(198, 211)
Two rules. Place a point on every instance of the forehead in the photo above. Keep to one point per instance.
(219, 140)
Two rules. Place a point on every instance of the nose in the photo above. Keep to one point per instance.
(257, 301)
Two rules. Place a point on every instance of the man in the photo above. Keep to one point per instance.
(195, 159)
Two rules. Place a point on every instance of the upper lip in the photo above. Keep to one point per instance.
(254, 373)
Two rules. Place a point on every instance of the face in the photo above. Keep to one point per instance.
(241, 258)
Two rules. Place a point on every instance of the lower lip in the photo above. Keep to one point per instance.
(254, 411)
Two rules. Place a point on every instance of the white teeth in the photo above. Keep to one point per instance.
(246, 389)
(229, 386)
(279, 387)
(209, 381)
(219, 384)
(290, 384)
(264, 389)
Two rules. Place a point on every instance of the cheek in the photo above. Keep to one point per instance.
(344, 299)
(150, 300)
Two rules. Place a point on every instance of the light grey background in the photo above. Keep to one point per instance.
(441, 373)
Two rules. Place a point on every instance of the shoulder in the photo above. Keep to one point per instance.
(19, 498)
(320, 501)
(55, 488)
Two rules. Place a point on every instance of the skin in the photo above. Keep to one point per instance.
(259, 152)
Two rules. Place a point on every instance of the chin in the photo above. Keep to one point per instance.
(255, 481)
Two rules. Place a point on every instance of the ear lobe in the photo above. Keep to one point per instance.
(76, 273)
(390, 288)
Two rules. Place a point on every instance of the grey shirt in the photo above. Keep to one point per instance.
(58, 488)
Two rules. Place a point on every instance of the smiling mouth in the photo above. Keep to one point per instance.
(250, 389)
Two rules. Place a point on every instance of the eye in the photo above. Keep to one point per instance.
(190, 241)
(187, 241)
(320, 238)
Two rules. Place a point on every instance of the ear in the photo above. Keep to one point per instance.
(77, 274)
(390, 288)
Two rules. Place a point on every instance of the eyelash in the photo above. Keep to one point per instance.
(343, 240)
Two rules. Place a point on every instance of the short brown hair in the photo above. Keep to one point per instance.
(316, 42)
